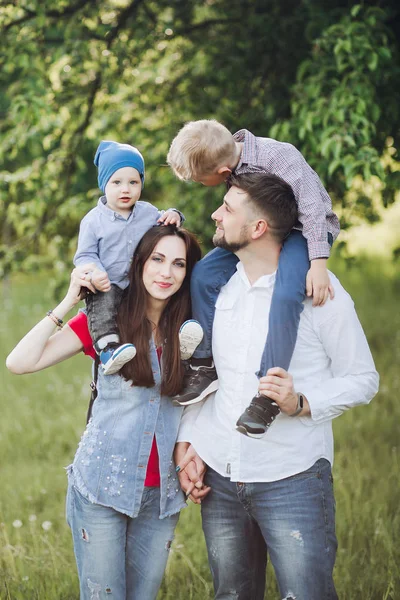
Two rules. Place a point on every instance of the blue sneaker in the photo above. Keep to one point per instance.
(190, 336)
(113, 357)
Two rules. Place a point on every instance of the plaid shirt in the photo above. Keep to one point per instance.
(316, 218)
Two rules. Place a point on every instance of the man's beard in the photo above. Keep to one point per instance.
(242, 242)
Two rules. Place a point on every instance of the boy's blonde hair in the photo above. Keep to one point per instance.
(201, 148)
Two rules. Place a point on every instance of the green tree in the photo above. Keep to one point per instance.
(75, 72)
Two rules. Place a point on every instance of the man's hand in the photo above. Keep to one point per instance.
(100, 280)
(191, 470)
(318, 284)
(170, 217)
(278, 385)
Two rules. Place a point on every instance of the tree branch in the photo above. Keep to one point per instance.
(204, 25)
(30, 14)
(122, 18)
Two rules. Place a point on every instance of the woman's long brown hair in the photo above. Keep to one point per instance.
(134, 326)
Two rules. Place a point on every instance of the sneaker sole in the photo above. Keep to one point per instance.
(244, 431)
(190, 336)
(209, 390)
(119, 359)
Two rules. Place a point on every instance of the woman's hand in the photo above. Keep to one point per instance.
(81, 277)
(191, 470)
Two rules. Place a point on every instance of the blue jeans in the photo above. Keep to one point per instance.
(292, 519)
(215, 270)
(119, 557)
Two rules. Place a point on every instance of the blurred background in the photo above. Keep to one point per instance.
(322, 75)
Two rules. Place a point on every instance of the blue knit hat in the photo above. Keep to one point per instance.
(111, 156)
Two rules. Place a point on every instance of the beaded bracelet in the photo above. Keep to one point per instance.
(58, 322)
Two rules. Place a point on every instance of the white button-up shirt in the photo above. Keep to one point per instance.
(331, 365)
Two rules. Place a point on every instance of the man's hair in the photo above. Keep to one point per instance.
(271, 198)
(201, 148)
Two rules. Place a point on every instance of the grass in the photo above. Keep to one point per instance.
(43, 415)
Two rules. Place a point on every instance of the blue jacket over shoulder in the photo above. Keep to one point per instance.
(110, 464)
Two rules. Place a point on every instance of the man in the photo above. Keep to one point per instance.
(271, 494)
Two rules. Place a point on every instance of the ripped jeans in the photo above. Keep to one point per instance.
(293, 520)
(118, 557)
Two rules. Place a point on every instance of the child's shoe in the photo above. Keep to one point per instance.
(200, 381)
(190, 336)
(258, 417)
(113, 357)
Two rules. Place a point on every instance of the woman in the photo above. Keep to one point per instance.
(123, 497)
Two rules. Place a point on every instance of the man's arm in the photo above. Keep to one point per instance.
(189, 417)
(354, 378)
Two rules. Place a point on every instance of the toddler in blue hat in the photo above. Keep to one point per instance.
(108, 237)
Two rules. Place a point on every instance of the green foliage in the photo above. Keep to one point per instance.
(75, 72)
(344, 106)
(43, 415)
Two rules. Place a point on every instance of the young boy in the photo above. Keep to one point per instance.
(108, 237)
(206, 152)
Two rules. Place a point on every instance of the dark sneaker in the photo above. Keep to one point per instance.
(258, 417)
(190, 336)
(200, 381)
(113, 357)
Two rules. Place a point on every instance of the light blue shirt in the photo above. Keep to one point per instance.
(109, 240)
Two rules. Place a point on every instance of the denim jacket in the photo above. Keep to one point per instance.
(110, 464)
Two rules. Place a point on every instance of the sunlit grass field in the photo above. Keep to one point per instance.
(43, 415)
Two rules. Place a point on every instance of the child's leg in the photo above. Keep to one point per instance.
(102, 309)
(209, 275)
(284, 317)
(286, 304)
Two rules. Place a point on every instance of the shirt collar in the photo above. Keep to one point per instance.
(111, 214)
(248, 153)
(265, 281)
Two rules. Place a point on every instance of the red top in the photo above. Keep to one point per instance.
(79, 326)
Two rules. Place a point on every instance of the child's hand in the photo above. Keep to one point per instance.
(318, 284)
(100, 280)
(170, 217)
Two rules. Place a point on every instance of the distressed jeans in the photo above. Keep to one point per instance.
(102, 309)
(118, 557)
(293, 520)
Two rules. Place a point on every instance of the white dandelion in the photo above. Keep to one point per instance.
(17, 523)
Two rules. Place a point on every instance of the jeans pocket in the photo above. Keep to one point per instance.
(315, 471)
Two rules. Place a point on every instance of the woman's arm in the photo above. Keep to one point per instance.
(41, 347)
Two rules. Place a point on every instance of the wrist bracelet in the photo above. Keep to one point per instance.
(58, 322)
(300, 405)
